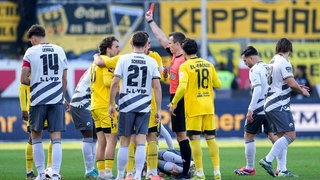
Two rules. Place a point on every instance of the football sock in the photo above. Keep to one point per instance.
(152, 157)
(88, 154)
(250, 152)
(139, 158)
(185, 151)
(166, 135)
(282, 160)
(131, 152)
(278, 147)
(56, 156)
(101, 168)
(214, 153)
(29, 157)
(49, 162)
(109, 166)
(172, 157)
(38, 155)
(197, 154)
(94, 146)
(122, 161)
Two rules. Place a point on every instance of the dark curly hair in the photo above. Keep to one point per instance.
(36, 30)
(106, 43)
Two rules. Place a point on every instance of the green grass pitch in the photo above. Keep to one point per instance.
(303, 159)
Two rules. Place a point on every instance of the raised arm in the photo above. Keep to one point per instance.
(158, 33)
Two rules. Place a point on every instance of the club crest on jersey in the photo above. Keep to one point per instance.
(173, 76)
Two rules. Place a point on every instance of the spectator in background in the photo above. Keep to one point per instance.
(301, 78)
(28, 16)
(227, 78)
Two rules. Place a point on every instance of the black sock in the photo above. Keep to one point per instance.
(185, 151)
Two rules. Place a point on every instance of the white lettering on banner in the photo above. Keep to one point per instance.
(306, 117)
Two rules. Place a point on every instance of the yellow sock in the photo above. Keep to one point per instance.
(197, 154)
(131, 152)
(109, 164)
(49, 163)
(101, 166)
(214, 153)
(29, 157)
(152, 155)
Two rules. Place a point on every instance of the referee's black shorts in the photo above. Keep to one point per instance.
(178, 122)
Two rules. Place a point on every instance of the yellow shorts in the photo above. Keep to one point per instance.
(102, 120)
(201, 123)
(152, 118)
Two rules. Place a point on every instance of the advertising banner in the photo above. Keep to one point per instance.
(9, 18)
(226, 53)
(244, 19)
(230, 118)
(77, 27)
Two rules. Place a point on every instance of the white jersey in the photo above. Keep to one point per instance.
(47, 63)
(258, 77)
(278, 95)
(136, 71)
(82, 94)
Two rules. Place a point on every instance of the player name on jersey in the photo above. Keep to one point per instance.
(199, 65)
(138, 60)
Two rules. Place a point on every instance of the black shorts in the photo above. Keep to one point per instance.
(179, 121)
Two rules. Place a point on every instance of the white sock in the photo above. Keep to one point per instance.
(88, 154)
(93, 146)
(122, 161)
(282, 160)
(172, 157)
(38, 155)
(56, 156)
(250, 152)
(278, 147)
(166, 135)
(139, 158)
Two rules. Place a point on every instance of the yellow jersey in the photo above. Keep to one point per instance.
(100, 81)
(197, 79)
